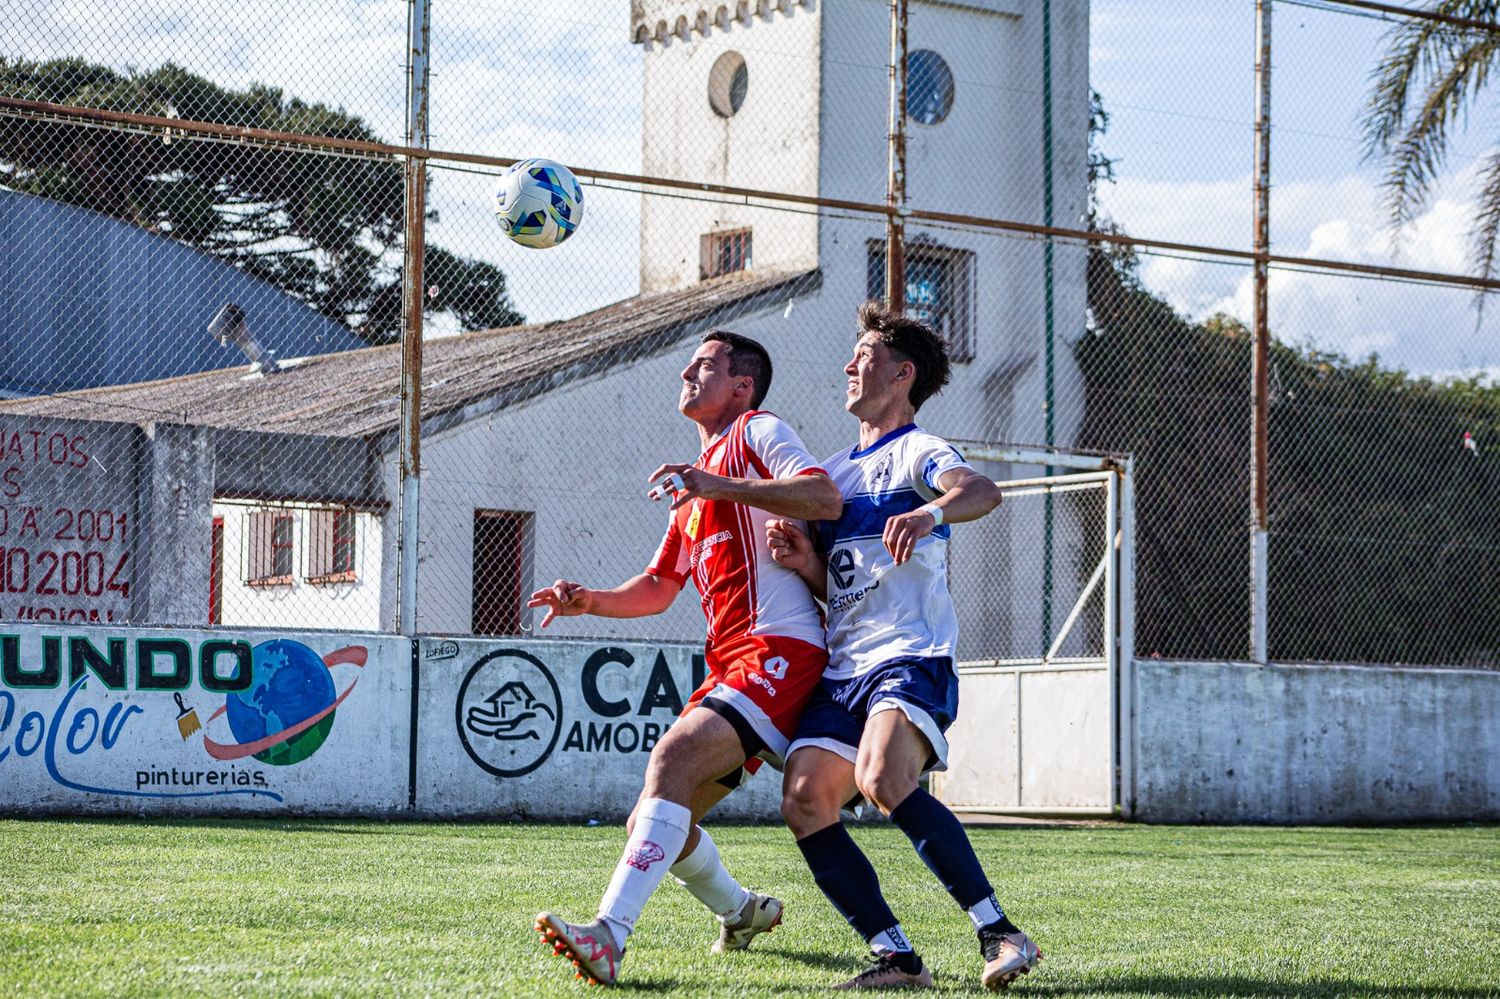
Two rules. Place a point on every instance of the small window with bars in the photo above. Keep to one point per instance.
(272, 551)
(332, 546)
(939, 290)
(725, 252)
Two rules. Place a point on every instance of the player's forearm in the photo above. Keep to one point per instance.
(639, 596)
(968, 500)
(814, 573)
(802, 497)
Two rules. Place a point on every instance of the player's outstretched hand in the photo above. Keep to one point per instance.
(790, 545)
(902, 532)
(695, 482)
(562, 599)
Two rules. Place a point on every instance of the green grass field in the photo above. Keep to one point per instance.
(136, 907)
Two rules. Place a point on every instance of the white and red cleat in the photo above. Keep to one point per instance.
(590, 947)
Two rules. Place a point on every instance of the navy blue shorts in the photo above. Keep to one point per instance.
(924, 689)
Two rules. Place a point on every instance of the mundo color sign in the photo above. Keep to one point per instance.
(181, 721)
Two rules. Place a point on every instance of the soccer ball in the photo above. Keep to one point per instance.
(539, 203)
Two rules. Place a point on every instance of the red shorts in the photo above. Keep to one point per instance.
(766, 681)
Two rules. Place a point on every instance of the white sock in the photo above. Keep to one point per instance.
(890, 941)
(661, 829)
(702, 873)
(985, 912)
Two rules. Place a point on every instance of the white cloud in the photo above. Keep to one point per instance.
(1424, 329)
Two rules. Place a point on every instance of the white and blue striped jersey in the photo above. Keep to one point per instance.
(878, 611)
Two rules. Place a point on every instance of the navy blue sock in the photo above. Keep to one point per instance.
(846, 877)
(943, 846)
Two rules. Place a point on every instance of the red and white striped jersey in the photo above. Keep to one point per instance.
(722, 545)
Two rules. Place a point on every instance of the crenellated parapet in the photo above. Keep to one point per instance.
(660, 22)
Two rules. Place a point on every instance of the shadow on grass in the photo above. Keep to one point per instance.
(846, 966)
(1238, 986)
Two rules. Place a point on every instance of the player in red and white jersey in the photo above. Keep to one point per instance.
(720, 544)
(765, 648)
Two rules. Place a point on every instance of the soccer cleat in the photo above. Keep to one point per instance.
(590, 947)
(1007, 956)
(883, 973)
(760, 914)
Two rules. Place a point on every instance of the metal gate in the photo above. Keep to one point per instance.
(1044, 589)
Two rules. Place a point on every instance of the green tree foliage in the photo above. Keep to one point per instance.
(1429, 77)
(1385, 538)
(324, 228)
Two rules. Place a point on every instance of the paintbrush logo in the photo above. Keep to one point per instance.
(187, 718)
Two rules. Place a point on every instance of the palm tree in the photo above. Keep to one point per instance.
(1431, 74)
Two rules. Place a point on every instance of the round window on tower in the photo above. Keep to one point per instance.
(929, 87)
(727, 82)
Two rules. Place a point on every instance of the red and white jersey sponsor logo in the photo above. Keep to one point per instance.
(722, 545)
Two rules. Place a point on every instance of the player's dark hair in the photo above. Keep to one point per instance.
(910, 340)
(746, 357)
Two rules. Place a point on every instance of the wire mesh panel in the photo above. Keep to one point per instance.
(1037, 586)
(207, 275)
(1028, 579)
(202, 315)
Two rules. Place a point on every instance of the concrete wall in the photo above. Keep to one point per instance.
(192, 722)
(554, 730)
(1228, 742)
(189, 729)
(93, 721)
(112, 523)
(69, 500)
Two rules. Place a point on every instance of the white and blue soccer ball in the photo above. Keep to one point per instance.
(539, 203)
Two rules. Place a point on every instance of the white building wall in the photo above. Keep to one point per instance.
(578, 457)
(351, 605)
(769, 144)
(984, 159)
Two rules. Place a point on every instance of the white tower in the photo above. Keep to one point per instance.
(791, 95)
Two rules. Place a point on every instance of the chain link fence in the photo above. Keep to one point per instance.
(206, 218)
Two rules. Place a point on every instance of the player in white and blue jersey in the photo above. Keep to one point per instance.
(878, 720)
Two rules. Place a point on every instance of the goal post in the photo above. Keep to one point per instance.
(1044, 590)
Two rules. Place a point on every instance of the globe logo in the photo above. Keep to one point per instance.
(287, 711)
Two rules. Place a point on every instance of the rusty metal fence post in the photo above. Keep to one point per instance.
(407, 536)
(1260, 400)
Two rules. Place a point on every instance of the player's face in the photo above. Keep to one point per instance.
(708, 389)
(872, 373)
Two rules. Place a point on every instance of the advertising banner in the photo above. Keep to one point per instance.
(554, 729)
(177, 722)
